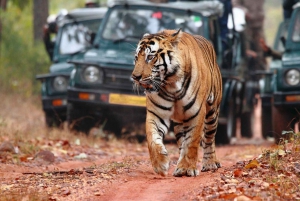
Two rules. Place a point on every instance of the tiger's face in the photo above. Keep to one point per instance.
(155, 63)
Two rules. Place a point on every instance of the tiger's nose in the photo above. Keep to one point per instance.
(136, 78)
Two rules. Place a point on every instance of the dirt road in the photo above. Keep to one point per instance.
(92, 168)
(119, 173)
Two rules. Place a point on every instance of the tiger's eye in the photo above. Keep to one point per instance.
(150, 57)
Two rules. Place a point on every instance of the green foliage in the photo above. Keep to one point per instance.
(55, 6)
(20, 3)
(20, 58)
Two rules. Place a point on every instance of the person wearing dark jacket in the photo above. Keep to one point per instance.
(287, 6)
(49, 28)
(255, 15)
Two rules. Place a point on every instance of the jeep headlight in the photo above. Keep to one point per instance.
(60, 83)
(93, 74)
(292, 77)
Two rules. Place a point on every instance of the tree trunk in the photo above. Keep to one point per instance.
(3, 4)
(40, 14)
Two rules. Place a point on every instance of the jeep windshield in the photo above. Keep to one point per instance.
(76, 36)
(296, 29)
(132, 23)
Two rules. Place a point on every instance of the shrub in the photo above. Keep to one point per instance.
(20, 58)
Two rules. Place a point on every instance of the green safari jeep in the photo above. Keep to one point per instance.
(76, 31)
(280, 87)
(100, 86)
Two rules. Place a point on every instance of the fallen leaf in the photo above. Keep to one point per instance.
(281, 152)
(297, 148)
(242, 198)
(77, 141)
(297, 168)
(66, 192)
(245, 174)
(98, 193)
(228, 196)
(6, 187)
(232, 181)
(81, 156)
(24, 158)
(237, 173)
(265, 184)
(252, 164)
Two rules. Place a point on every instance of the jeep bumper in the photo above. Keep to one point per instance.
(55, 104)
(287, 99)
(116, 103)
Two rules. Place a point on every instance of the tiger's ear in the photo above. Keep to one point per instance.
(146, 34)
(175, 37)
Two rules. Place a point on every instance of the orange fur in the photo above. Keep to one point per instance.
(183, 83)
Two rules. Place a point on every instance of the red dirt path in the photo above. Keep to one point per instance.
(114, 170)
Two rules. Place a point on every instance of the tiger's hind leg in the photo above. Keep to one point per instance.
(210, 161)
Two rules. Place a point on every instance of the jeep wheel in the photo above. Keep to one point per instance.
(282, 120)
(114, 124)
(78, 119)
(266, 122)
(53, 120)
(228, 130)
(246, 124)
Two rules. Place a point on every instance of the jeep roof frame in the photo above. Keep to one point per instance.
(80, 14)
(206, 8)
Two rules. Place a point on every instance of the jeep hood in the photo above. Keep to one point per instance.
(291, 58)
(110, 56)
(61, 67)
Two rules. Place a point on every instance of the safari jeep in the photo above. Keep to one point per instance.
(100, 87)
(280, 88)
(76, 30)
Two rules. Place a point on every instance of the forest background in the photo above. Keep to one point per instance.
(22, 52)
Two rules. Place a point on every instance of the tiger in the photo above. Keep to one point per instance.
(183, 85)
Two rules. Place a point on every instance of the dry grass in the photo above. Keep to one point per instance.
(22, 122)
(272, 175)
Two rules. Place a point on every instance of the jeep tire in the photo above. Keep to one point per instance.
(246, 124)
(228, 130)
(78, 119)
(282, 120)
(53, 120)
(266, 122)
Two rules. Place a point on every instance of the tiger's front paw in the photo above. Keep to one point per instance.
(210, 165)
(159, 159)
(190, 172)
